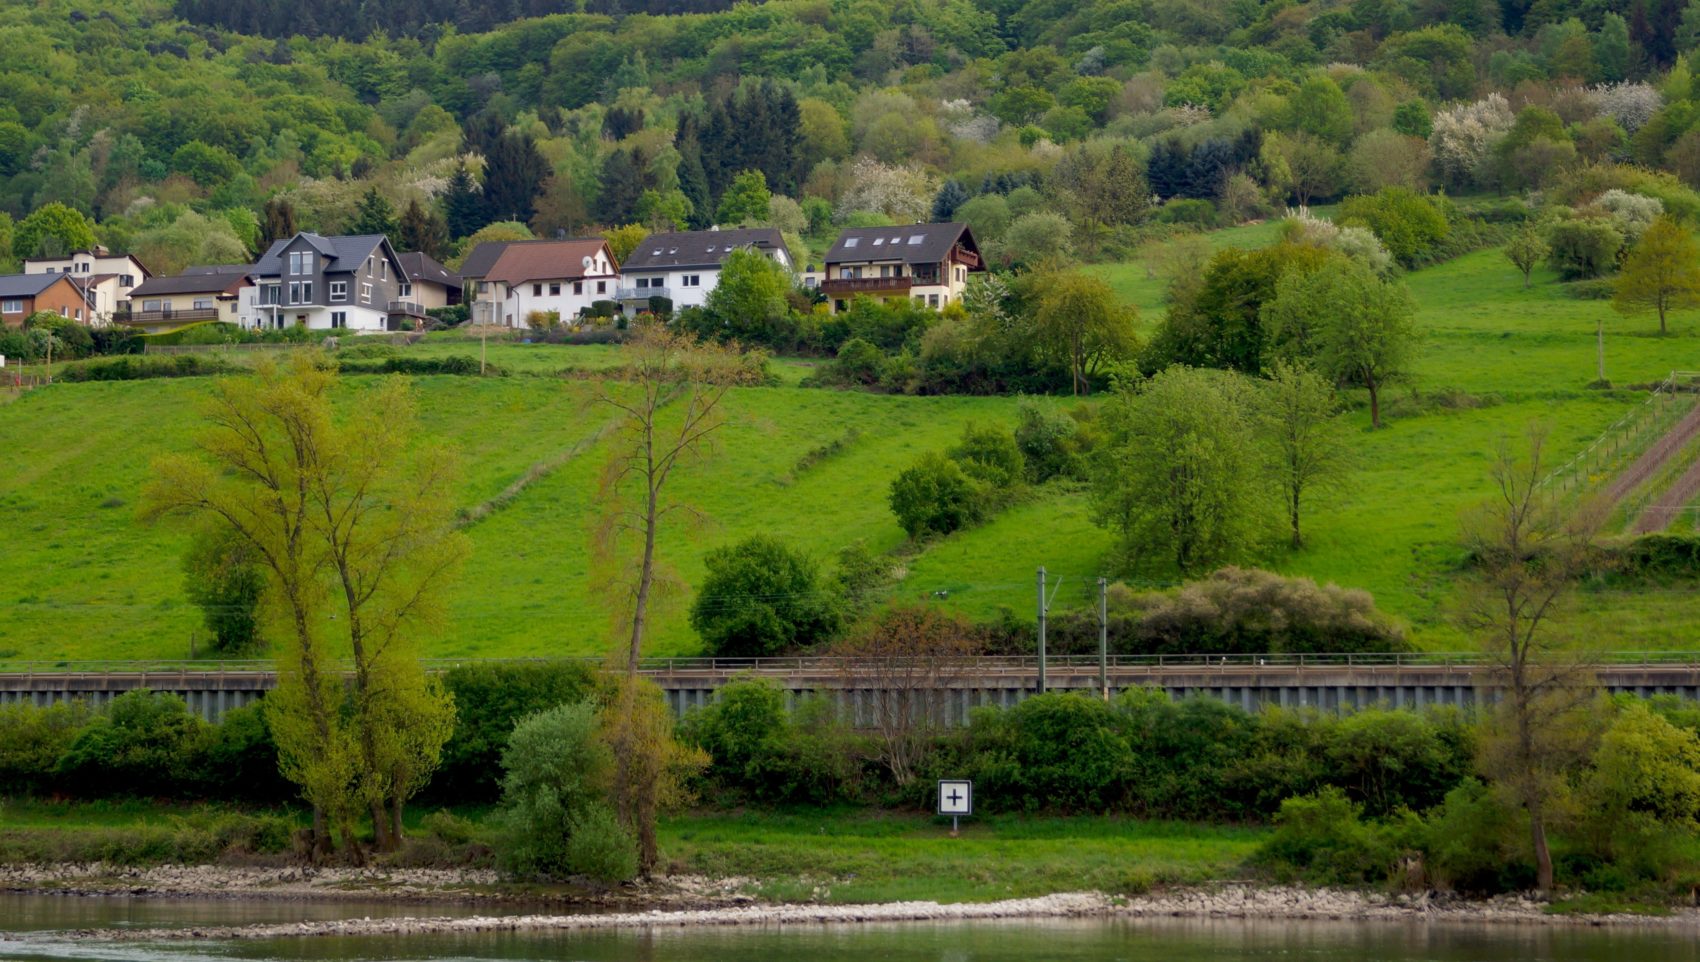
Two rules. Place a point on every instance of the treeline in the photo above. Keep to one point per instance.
(362, 19)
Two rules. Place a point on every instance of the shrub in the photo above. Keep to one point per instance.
(543, 320)
(858, 362)
(1049, 443)
(1199, 213)
(1320, 837)
(131, 367)
(759, 598)
(1474, 843)
(556, 771)
(490, 699)
(458, 364)
(240, 762)
(759, 750)
(599, 847)
(1247, 610)
(1064, 752)
(449, 828)
(32, 739)
(1387, 760)
(146, 744)
(1408, 223)
(935, 496)
(990, 455)
(221, 577)
(1582, 248)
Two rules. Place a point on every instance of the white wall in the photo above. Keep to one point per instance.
(521, 301)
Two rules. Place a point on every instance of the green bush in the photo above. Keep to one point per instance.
(240, 762)
(556, 771)
(449, 828)
(136, 367)
(458, 364)
(1320, 838)
(935, 496)
(1065, 752)
(1476, 844)
(1386, 760)
(858, 362)
(490, 699)
(1194, 211)
(760, 751)
(990, 456)
(32, 739)
(200, 332)
(222, 578)
(1582, 248)
(760, 597)
(1409, 224)
(147, 744)
(1051, 443)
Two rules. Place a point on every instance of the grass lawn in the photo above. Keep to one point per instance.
(80, 578)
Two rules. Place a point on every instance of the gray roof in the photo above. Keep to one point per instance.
(911, 243)
(192, 282)
(350, 250)
(27, 285)
(698, 248)
(420, 266)
(482, 259)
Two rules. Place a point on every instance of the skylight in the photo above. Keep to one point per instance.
(917, 238)
(878, 241)
(852, 241)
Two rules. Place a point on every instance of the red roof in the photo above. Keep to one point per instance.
(547, 260)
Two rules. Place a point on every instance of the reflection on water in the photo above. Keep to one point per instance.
(1162, 940)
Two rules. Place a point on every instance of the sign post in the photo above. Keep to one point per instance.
(956, 799)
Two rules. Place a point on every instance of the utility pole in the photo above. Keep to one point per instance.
(1042, 607)
(1104, 637)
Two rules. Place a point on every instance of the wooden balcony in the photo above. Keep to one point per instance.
(167, 316)
(865, 285)
(406, 308)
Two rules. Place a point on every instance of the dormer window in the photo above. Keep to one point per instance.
(301, 262)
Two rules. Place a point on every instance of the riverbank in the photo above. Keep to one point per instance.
(1229, 902)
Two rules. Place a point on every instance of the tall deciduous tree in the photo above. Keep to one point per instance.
(53, 230)
(1081, 321)
(1360, 327)
(1176, 480)
(277, 221)
(1308, 453)
(1528, 550)
(350, 520)
(745, 200)
(1661, 273)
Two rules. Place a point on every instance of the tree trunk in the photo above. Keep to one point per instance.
(646, 574)
(1293, 515)
(322, 849)
(381, 841)
(1374, 404)
(1662, 330)
(1543, 855)
(397, 806)
(1526, 279)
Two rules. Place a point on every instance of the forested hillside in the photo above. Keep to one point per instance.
(194, 132)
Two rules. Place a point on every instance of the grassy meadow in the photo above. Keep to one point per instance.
(81, 578)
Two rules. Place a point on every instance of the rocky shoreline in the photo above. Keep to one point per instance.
(687, 901)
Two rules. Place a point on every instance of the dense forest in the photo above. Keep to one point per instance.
(195, 132)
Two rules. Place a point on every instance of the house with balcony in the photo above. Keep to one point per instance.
(429, 284)
(107, 278)
(332, 283)
(222, 292)
(24, 294)
(929, 263)
(684, 266)
(538, 277)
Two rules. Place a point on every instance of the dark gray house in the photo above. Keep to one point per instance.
(351, 283)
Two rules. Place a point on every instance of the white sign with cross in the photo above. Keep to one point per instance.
(956, 799)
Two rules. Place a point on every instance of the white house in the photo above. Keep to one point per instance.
(537, 277)
(108, 278)
(683, 267)
(223, 292)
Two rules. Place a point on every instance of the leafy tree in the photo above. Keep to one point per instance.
(1175, 479)
(1582, 247)
(502, 230)
(665, 210)
(989, 455)
(935, 496)
(623, 240)
(1319, 108)
(375, 215)
(1409, 224)
(490, 698)
(1611, 48)
(205, 165)
(1301, 165)
(1412, 119)
(1525, 250)
(1079, 319)
(761, 598)
(951, 195)
(422, 229)
(146, 744)
(748, 302)
(745, 200)
(1037, 236)
(1217, 320)
(652, 770)
(1661, 273)
(1528, 551)
(189, 239)
(1357, 327)
(226, 582)
(52, 226)
(1308, 453)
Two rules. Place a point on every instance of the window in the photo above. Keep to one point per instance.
(301, 262)
(691, 280)
(306, 292)
(268, 294)
(339, 319)
(294, 292)
(368, 267)
(11, 307)
(126, 280)
(852, 241)
(885, 270)
(82, 268)
(406, 289)
(932, 300)
(537, 290)
(917, 238)
(578, 287)
(384, 269)
(152, 305)
(203, 303)
(601, 287)
(339, 290)
(878, 241)
(62, 312)
(366, 293)
(79, 313)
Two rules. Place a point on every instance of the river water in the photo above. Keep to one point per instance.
(31, 927)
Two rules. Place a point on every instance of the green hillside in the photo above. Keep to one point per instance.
(83, 579)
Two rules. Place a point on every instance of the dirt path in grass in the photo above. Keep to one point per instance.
(1649, 463)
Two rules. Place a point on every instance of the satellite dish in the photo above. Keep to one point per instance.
(587, 261)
